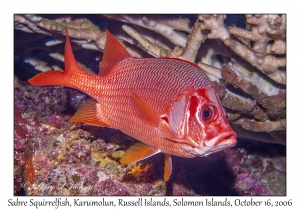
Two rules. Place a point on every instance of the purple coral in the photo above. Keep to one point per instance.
(68, 160)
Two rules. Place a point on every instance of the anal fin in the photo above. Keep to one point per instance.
(168, 167)
(136, 152)
(87, 114)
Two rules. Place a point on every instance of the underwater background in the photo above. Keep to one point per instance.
(55, 157)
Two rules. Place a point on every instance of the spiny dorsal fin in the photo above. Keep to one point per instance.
(145, 111)
(136, 152)
(87, 114)
(168, 167)
(113, 53)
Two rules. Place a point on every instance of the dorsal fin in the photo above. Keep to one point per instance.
(113, 53)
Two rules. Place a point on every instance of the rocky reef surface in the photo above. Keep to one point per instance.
(55, 157)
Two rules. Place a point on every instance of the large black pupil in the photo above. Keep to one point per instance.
(206, 113)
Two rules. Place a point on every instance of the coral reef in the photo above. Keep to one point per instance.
(246, 62)
(249, 62)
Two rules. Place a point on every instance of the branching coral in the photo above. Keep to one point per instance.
(247, 64)
(260, 45)
(55, 157)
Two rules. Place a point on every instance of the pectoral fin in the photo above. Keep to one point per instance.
(87, 114)
(136, 152)
(145, 111)
(168, 167)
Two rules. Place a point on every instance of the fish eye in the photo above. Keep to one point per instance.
(206, 113)
(209, 113)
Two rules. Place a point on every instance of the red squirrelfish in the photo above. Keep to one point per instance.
(168, 104)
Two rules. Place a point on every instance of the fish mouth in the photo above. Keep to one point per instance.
(216, 144)
(227, 139)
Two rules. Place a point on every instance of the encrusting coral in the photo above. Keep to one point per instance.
(246, 63)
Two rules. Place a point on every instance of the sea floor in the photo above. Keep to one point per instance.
(55, 157)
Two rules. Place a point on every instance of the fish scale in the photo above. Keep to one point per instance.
(117, 98)
(143, 79)
(168, 104)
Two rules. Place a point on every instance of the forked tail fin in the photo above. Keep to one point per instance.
(58, 77)
(49, 77)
